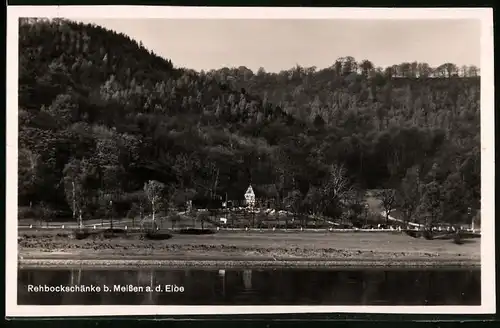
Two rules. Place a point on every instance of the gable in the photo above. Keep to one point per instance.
(249, 191)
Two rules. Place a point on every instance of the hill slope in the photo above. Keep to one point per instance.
(98, 109)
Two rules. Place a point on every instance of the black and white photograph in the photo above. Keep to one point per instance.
(168, 160)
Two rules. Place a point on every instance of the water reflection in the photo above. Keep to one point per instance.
(256, 287)
(247, 279)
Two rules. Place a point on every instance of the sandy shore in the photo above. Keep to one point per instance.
(252, 249)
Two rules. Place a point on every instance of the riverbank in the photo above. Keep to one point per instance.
(56, 249)
(26, 262)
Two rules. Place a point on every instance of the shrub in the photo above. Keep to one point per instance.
(115, 232)
(81, 233)
(157, 235)
(457, 239)
(194, 231)
(428, 235)
(26, 213)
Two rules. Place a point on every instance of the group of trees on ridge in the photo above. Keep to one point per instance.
(100, 116)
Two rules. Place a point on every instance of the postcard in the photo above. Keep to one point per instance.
(189, 160)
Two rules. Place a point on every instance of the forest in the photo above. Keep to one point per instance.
(102, 118)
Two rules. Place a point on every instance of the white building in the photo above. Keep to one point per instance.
(250, 197)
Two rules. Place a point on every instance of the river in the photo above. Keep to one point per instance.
(248, 287)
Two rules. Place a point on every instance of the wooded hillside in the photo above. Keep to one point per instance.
(100, 115)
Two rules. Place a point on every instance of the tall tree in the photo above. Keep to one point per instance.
(81, 182)
(366, 67)
(431, 205)
(154, 190)
(409, 193)
(294, 200)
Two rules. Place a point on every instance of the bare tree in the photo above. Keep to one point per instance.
(337, 184)
(388, 199)
(336, 188)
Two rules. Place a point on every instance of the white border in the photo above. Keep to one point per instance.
(485, 15)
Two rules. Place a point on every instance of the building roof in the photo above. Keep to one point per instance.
(249, 191)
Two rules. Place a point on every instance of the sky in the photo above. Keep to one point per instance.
(280, 44)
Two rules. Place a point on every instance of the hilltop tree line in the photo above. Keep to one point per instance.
(107, 125)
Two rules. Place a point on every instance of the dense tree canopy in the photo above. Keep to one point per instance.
(100, 115)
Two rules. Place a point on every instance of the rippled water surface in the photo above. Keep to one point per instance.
(249, 287)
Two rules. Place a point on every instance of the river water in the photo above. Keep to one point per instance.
(249, 287)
